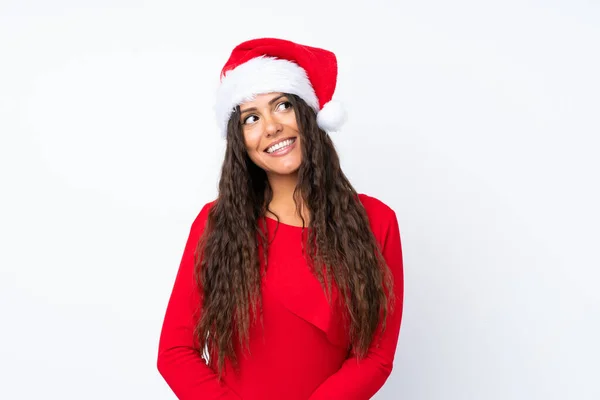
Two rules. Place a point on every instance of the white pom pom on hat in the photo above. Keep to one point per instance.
(269, 65)
(332, 116)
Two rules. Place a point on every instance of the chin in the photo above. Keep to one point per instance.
(284, 172)
(284, 166)
(289, 169)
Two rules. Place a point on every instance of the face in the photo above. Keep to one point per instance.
(271, 133)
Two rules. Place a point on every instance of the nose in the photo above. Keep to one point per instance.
(272, 125)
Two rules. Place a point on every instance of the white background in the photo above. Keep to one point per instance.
(477, 122)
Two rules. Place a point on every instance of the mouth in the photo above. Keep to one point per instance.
(281, 146)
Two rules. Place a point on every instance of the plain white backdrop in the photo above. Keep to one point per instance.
(477, 122)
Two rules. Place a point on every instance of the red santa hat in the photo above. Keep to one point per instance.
(274, 65)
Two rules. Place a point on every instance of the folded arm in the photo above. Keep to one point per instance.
(179, 362)
(361, 379)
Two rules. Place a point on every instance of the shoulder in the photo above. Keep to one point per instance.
(376, 208)
(381, 216)
(202, 216)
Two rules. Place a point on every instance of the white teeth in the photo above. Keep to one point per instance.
(280, 145)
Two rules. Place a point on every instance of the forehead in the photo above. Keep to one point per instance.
(260, 99)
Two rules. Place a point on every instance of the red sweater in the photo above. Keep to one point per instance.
(300, 352)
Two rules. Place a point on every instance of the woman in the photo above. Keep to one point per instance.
(291, 283)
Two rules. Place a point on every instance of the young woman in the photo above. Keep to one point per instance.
(291, 283)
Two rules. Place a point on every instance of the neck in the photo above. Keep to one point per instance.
(283, 187)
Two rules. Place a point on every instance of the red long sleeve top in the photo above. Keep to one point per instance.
(300, 351)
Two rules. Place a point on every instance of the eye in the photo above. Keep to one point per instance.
(285, 105)
(249, 120)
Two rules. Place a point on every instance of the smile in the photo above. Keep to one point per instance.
(281, 146)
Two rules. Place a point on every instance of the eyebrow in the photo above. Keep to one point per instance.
(270, 103)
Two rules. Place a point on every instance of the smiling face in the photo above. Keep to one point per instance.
(271, 133)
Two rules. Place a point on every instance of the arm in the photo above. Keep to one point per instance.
(360, 380)
(178, 362)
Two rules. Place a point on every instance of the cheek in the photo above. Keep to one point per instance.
(291, 122)
(251, 140)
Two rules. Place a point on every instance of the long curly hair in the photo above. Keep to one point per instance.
(340, 247)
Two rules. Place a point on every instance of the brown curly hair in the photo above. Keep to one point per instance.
(340, 249)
